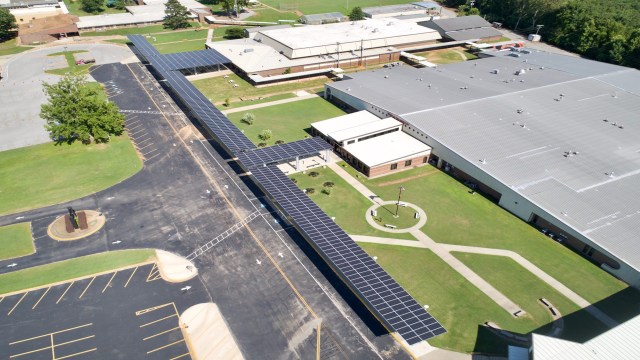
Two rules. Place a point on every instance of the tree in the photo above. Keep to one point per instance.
(7, 24)
(465, 10)
(76, 112)
(177, 16)
(92, 6)
(356, 14)
(227, 5)
(248, 118)
(328, 184)
(234, 32)
(265, 135)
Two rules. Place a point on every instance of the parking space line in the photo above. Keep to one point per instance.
(76, 340)
(130, 277)
(140, 142)
(151, 152)
(160, 333)
(154, 156)
(144, 311)
(165, 346)
(135, 127)
(65, 292)
(1, 298)
(41, 297)
(144, 147)
(180, 356)
(30, 352)
(135, 133)
(18, 303)
(109, 283)
(50, 334)
(87, 288)
(76, 354)
(155, 321)
(154, 274)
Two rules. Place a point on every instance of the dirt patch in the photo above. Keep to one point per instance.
(403, 180)
(298, 13)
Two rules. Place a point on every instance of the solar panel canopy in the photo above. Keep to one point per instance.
(279, 153)
(191, 59)
(380, 292)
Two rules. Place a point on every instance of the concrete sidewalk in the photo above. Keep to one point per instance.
(355, 183)
(271, 103)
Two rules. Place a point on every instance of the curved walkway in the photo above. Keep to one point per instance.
(444, 252)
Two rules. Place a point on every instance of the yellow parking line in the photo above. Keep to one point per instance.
(154, 272)
(1, 298)
(65, 292)
(318, 342)
(160, 333)
(41, 297)
(166, 346)
(109, 283)
(29, 352)
(76, 340)
(179, 356)
(18, 303)
(155, 321)
(134, 271)
(76, 354)
(144, 311)
(87, 288)
(48, 334)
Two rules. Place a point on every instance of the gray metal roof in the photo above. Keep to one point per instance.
(265, 28)
(462, 23)
(526, 151)
(471, 34)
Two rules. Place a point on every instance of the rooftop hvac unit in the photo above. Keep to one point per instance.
(248, 50)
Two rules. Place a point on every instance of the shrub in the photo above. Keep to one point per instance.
(326, 191)
(309, 190)
(328, 184)
(262, 144)
(248, 118)
(265, 135)
(314, 173)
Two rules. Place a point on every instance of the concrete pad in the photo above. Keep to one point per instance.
(174, 268)
(207, 334)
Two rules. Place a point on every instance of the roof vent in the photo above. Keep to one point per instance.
(495, 71)
(520, 111)
(386, 76)
(483, 161)
(610, 174)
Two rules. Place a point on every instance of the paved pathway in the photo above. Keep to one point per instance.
(271, 103)
(444, 252)
(209, 35)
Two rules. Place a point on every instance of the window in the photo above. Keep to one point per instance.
(394, 166)
(350, 142)
(407, 163)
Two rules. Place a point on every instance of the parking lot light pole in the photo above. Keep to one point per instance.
(398, 203)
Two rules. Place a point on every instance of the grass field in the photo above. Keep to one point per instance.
(269, 15)
(288, 122)
(9, 47)
(71, 269)
(324, 6)
(524, 289)
(457, 217)
(15, 241)
(71, 68)
(75, 8)
(458, 305)
(72, 171)
(447, 56)
(254, 101)
(217, 89)
(350, 218)
(144, 30)
(386, 215)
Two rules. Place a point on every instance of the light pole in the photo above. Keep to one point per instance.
(398, 203)
(538, 27)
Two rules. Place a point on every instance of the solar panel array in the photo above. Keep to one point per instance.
(383, 296)
(192, 59)
(388, 300)
(212, 119)
(279, 153)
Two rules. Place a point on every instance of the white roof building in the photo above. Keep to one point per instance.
(387, 149)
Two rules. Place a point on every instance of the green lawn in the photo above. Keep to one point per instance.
(269, 15)
(447, 56)
(457, 217)
(323, 6)
(350, 218)
(185, 45)
(144, 30)
(16, 241)
(71, 68)
(288, 122)
(458, 305)
(71, 269)
(503, 38)
(9, 47)
(75, 6)
(72, 171)
(217, 89)
(259, 100)
(524, 288)
(386, 215)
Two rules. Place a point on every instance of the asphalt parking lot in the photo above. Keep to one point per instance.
(127, 314)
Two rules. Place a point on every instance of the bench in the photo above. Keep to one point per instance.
(390, 226)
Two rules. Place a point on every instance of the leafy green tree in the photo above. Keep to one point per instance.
(234, 32)
(265, 135)
(76, 112)
(176, 15)
(248, 118)
(465, 10)
(356, 14)
(7, 24)
(92, 6)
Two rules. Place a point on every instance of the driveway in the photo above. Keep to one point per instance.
(21, 90)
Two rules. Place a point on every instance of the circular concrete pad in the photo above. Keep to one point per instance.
(57, 229)
(174, 268)
(420, 224)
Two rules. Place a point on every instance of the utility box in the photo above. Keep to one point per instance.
(534, 37)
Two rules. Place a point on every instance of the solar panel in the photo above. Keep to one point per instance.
(279, 153)
(379, 291)
(191, 59)
(144, 48)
